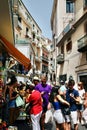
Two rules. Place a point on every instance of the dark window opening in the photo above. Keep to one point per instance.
(69, 46)
(86, 56)
(83, 78)
(85, 4)
(69, 6)
(27, 29)
(63, 77)
(33, 26)
(33, 36)
(62, 49)
(19, 19)
(85, 27)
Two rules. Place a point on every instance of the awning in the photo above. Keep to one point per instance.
(6, 24)
(15, 53)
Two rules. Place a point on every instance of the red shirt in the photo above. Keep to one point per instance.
(36, 100)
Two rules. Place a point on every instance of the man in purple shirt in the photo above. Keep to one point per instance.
(45, 91)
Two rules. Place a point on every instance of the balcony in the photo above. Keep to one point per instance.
(60, 59)
(66, 29)
(25, 16)
(22, 41)
(45, 59)
(28, 35)
(19, 26)
(15, 6)
(82, 44)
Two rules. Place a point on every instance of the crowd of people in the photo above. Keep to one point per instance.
(68, 103)
(36, 92)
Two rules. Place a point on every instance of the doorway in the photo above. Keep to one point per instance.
(83, 78)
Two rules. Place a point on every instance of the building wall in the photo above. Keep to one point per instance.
(27, 21)
(75, 62)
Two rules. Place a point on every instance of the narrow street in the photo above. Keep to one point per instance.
(22, 125)
(36, 55)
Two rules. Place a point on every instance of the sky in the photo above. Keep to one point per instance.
(41, 11)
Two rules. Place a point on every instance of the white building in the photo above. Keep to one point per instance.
(69, 28)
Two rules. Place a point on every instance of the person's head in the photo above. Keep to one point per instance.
(43, 79)
(11, 81)
(30, 87)
(61, 82)
(36, 80)
(54, 93)
(80, 85)
(71, 84)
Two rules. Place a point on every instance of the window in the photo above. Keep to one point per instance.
(19, 19)
(69, 6)
(51, 58)
(86, 56)
(37, 32)
(62, 49)
(69, 45)
(33, 26)
(33, 36)
(85, 27)
(63, 77)
(26, 29)
(85, 3)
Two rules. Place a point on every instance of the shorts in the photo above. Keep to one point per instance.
(80, 107)
(58, 116)
(73, 117)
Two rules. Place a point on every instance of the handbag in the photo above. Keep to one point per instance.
(19, 101)
(49, 116)
(66, 111)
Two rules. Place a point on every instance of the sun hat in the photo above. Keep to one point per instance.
(36, 78)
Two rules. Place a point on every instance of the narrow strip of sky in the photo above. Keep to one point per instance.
(41, 12)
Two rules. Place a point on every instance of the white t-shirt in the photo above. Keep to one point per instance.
(81, 92)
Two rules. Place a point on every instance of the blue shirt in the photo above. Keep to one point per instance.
(56, 105)
(73, 105)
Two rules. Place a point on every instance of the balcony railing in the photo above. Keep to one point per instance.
(66, 29)
(22, 41)
(60, 59)
(82, 44)
(44, 59)
(28, 35)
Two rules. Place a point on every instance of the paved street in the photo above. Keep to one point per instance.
(49, 126)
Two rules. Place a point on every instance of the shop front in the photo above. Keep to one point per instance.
(7, 45)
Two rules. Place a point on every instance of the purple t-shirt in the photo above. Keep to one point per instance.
(46, 89)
